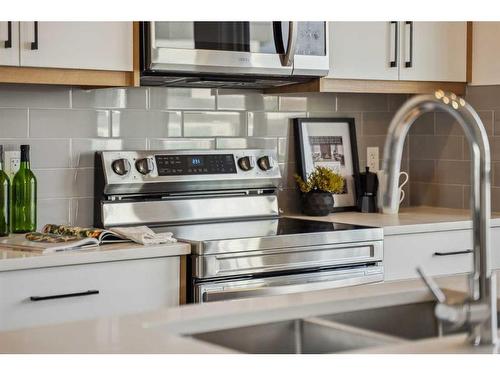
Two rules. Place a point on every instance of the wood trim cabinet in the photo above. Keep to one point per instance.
(70, 53)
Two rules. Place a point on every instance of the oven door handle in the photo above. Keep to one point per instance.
(286, 57)
(247, 291)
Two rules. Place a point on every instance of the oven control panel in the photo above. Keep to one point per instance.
(124, 167)
(174, 165)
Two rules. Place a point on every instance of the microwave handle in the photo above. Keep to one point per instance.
(287, 56)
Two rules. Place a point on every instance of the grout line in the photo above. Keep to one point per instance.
(28, 122)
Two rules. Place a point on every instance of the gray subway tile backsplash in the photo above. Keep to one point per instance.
(429, 147)
(376, 123)
(277, 124)
(81, 212)
(365, 102)
(65, 126)
(214, 124)
(309, 103)
(14, 122)
(45, 153)
(34, 96)
(430, 194)
(131, 98)
(239, 100)
(53, 211)
(182, 144)
(55, 183)
(142, 123)
(181, 98)
(69, 123)
(249, 142)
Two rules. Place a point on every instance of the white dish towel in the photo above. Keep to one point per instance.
(144, 235)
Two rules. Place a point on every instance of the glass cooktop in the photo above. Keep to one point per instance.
(254, 228)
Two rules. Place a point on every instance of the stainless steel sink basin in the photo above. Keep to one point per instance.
(308, 336)
(410, 321)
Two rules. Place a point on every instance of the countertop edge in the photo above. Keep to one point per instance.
(27, 261)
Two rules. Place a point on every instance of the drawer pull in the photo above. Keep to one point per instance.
(68, 295)
(442, 254)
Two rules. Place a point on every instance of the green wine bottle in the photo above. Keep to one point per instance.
(4, 199)
(24, 196)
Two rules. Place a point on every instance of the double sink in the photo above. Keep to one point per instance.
(337, 332)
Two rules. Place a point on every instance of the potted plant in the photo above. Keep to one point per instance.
(318, 189)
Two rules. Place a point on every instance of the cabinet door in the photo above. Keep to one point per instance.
(363, 50)
(9, 43)
(77, 45)
(485, 53)
(433, 51)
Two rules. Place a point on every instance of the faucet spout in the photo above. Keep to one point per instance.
(482, 281)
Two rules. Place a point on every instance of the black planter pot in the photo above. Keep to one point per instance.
(317, 203)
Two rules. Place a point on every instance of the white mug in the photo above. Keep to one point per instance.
(382, 183)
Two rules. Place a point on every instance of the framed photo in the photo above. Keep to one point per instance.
(329, 142)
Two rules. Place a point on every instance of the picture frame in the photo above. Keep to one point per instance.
(329, 142)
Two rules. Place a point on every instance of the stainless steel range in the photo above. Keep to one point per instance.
(224, 202)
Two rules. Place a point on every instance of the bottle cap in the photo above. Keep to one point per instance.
(25, 152)
(1, 153)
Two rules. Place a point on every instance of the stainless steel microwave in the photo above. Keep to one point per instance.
(232, 54)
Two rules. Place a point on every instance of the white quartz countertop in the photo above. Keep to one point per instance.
(168, 330)
(11, 260)
(409, 220)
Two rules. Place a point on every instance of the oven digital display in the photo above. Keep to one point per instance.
(176, 165)
(196, 161)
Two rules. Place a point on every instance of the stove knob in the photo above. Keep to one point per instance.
(245, 163)
(265, 163)
(121, 166)
(144, 166)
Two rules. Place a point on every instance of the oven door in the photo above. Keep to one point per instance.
(304, 282)
(256, 48)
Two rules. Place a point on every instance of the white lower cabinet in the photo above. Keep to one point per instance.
(438, 253)
(29, 297)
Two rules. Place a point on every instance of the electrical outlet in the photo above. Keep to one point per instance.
(12, 160)
(372, 160)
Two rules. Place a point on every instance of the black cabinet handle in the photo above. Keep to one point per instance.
(394, 63)
(8, 42)
(34, 43)
(409, 63)
(442, 254)
(69, 295)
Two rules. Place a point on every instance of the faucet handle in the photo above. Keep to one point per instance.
(431, 284)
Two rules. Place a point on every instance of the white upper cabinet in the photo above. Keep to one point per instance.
(433, 51)
(9, 43)
(485, 53)
(363, 50)
(76, 45)
(407, 51)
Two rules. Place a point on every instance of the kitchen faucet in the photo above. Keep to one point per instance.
(479, 312)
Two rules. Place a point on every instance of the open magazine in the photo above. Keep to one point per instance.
(55, 238)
